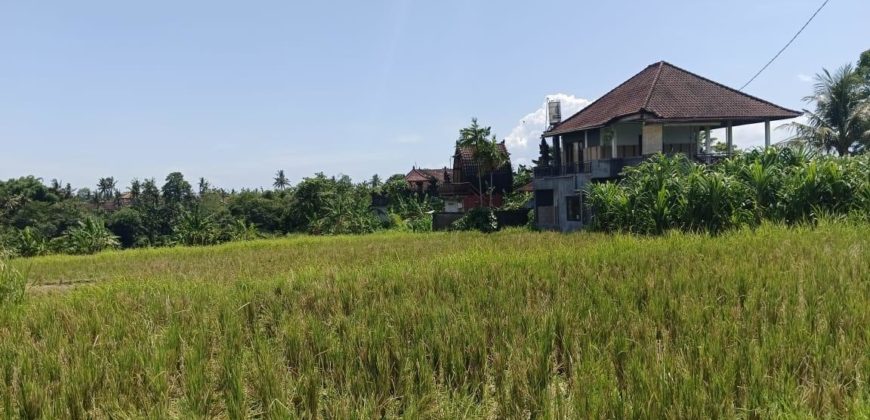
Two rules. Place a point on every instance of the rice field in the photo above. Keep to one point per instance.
(773, 322)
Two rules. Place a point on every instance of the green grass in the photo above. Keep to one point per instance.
(770, 323)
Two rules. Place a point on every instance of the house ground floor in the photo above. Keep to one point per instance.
(559, 202)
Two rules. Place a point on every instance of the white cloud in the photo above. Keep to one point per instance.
(804, 78)
(529, 129)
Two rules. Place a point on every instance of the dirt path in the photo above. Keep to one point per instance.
(61, 286)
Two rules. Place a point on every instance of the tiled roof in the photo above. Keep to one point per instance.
(425, 175)
(467, 153)
(664, 92)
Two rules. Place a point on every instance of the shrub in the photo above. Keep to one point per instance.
(196, 228)
(127, 225)
(28, 242)
(89, 237)
(480, 218)
(666, 193)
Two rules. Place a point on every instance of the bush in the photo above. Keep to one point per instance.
(89, 237)
(28, 242)
(789, 186)
(127, 225)
(480, 218)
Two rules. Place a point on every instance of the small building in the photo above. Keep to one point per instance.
(426, 181)
(462, 190)
(662, 109)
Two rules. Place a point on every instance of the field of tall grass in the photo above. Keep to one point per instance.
(752, 323)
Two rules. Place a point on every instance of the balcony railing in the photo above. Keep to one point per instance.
(558, 170)
(609, 168)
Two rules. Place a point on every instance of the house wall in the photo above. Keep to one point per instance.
(679, 134)
(652, 138)
(452, 206)
(555, 217)
(471, 201)
(627, 134)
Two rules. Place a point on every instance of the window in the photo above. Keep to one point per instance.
(574, 208)
(544, 198)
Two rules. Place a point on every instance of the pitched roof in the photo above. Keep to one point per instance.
(467, 153)
(425, 175)
(666, 92)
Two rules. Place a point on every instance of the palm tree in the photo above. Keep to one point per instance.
(204, 186)
(476, 138)
(281, 181)
(493, 158)
(106, 188)
(841, 121)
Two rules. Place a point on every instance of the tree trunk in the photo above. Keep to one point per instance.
(480, 187)
(491, 183)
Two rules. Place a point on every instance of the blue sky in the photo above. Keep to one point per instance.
(233, 91)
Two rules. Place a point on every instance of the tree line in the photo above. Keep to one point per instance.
(37, 219)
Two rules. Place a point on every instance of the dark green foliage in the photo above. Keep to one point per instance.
(89, 237)
(127, 225)
(545, 156)
(265, 213)
(195, 227)
(787, 185)
(480, 219)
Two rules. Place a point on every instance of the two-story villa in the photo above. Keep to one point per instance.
(662, 109)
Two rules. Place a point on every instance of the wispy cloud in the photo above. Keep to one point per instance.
(530, 127)
(804, 78)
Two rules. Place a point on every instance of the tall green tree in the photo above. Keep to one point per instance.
(544, 157)
(281, 182)
(106, 188)
(176, 190)
(840, 121)
(493, 158)
(476, 138)
(204, 186)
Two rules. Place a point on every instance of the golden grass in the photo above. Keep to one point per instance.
(763, 323)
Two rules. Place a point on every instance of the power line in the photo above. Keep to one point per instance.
(786, 45)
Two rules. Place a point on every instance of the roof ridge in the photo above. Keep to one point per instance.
(729, 88)
(576, 114)
(652, 85)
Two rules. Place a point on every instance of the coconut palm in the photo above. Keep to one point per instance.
(106, 188)
(493, 157)
(281, 181)
(476, 138)
(841, 121)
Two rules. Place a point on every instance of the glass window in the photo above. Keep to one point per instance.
(543, 198)
(574, 208)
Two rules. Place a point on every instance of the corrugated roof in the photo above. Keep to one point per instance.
(665, 92)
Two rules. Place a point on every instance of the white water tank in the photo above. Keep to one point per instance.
(554, 111)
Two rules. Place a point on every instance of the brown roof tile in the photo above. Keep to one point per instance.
(665, 92)
(425, 175)
(467, 153)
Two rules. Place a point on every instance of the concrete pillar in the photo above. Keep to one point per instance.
(729, 138)
(708, 142)
(613, 145)
(766, 134)
(557, 154)
(576, 160)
